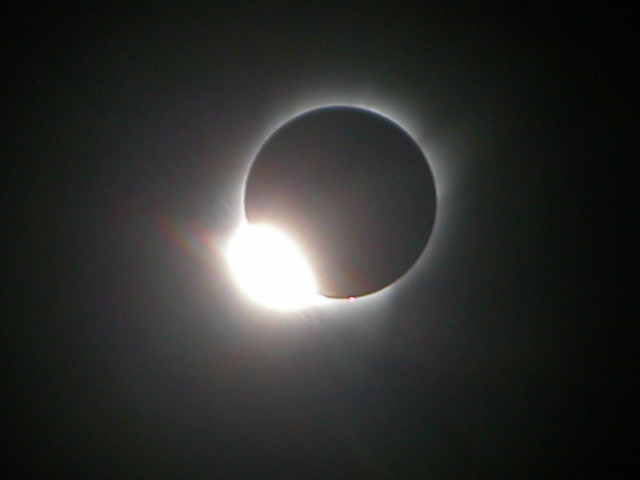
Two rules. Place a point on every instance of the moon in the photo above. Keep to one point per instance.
(352, 189)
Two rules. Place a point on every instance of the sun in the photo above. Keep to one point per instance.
(270, 269)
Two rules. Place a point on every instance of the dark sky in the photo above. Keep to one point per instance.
(129, 352)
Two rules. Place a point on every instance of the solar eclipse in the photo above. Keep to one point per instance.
(351, 196)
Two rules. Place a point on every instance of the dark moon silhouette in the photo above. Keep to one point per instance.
(353, 189)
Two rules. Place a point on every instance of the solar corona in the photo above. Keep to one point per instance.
(340, 202)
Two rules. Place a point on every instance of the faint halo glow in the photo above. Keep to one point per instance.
(270, 269)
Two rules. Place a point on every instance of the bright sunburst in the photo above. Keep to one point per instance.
(270, 269)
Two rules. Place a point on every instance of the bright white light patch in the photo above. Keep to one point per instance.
(270, 269)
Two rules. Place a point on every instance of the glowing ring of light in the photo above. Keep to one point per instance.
(399, 114)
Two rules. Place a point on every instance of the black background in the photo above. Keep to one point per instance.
(129, 353)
